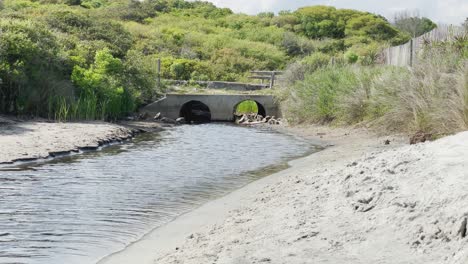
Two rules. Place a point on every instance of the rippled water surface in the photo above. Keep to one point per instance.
(78, 209)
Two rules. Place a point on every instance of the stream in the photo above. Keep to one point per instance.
(80, 208)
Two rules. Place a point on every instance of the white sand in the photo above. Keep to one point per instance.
(356, 202)
(24, 140)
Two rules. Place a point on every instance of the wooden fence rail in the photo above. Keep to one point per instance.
(266, 75)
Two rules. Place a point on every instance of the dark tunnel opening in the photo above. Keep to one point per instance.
(195, 112)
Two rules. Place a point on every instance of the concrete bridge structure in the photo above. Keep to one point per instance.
(195, 107)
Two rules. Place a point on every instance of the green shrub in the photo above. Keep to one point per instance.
(103, 81)
(351, 57)
(316, 98)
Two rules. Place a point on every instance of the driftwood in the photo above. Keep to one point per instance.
(256, 119)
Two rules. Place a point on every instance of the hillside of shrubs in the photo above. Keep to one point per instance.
(97, 59)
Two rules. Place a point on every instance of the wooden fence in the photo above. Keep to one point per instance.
(270, 76)
(407, 54)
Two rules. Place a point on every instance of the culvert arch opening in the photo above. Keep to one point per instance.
(195, 112)
(249, 107)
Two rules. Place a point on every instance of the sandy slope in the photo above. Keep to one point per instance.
(356, 202)
(25, 140)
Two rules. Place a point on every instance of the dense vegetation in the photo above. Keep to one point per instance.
(96, 59)
(431, 97)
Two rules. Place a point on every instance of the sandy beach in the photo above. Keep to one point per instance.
(357, 201)
(31, 140)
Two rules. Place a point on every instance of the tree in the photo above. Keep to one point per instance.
(413, 24)
(28, 65)
(266, 14)
(319, 22)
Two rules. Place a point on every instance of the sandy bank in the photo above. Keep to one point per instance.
(360, 201)
(30, 140)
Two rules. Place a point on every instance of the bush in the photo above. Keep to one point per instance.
(316, 98)
(351, 57)
(103, 81)
(29, 66)
(298, 70)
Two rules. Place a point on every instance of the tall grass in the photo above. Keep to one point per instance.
(89, 107)
(432, 96)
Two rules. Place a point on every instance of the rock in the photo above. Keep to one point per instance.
(420, 137)
(242, 120)
(180, 120)
(143, 116)
(168, 120)
(157, 116)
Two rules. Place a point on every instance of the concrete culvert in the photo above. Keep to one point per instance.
(195, 112)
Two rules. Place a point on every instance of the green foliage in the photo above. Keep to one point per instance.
(320, 22)
(69, 59)
(351, 57)
(315, 61)
(414, 26)
(247, 107)
(28, 65)
(103, 80)
(319, 94)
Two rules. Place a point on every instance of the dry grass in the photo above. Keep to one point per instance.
(430, 97)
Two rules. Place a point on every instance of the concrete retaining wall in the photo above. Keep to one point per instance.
(232, 86)
(236, 86)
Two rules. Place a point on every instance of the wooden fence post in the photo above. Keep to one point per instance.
(159, 73)
(272, 82)
(411, 53)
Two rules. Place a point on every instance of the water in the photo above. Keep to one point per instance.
(78, 209)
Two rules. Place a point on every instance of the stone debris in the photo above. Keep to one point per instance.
(254, 119)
